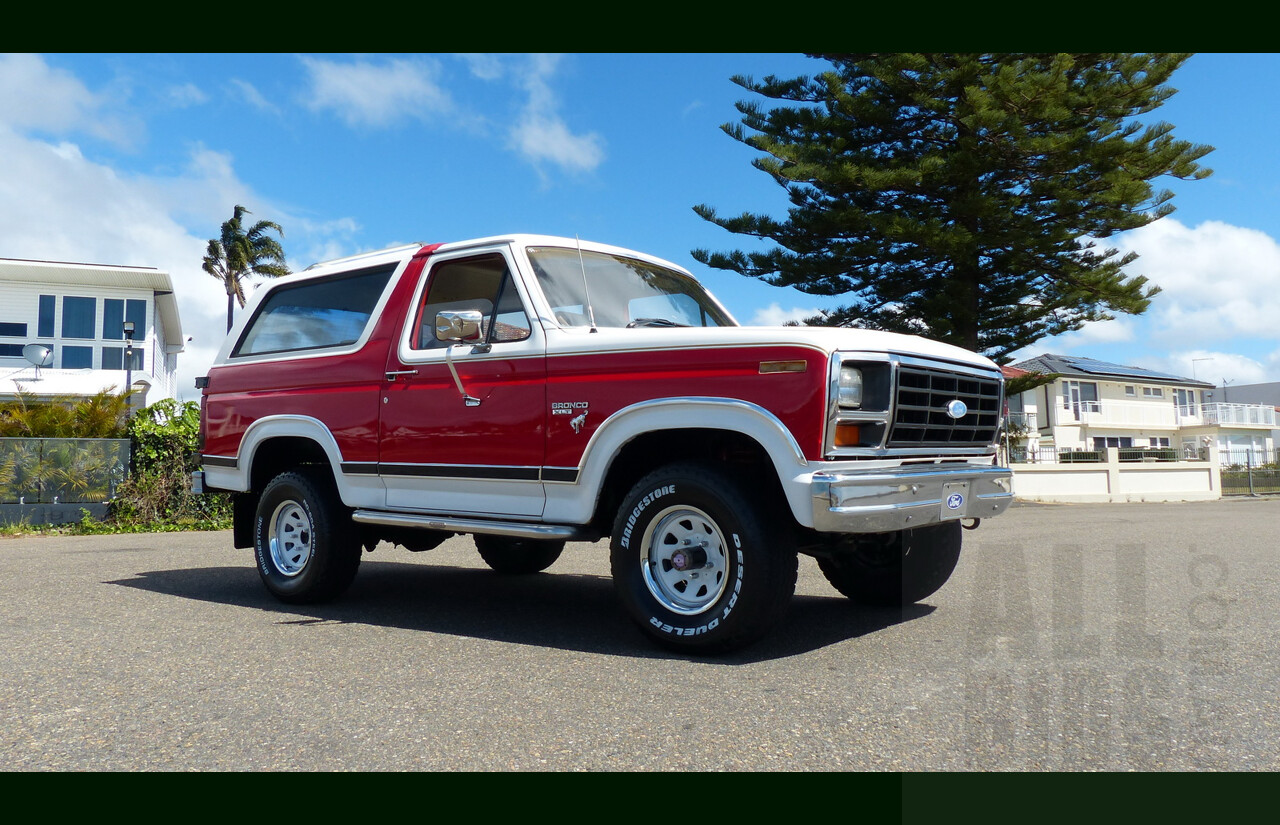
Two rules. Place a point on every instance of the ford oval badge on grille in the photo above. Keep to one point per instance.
(957, 409)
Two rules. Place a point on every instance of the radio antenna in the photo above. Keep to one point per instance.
(586, 291)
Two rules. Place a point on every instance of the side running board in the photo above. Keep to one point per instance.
(515, 529)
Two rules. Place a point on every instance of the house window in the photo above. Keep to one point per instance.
(1130, 391)
(48, 305)
(78, 317)
(113, 359)
(115, 311)
(10, 350)
(13, 330)
(1080, 396)
(77, 358)
(1101, 442)
(1159, 442)
(1153, 392)
(1186, 402)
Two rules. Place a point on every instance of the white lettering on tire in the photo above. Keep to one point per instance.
(665, 490)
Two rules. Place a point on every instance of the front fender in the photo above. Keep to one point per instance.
(574, 502)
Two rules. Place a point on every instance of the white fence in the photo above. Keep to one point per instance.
(1104, 476)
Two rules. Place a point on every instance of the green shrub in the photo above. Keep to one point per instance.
(165, 440)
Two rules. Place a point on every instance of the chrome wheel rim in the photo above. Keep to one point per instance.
(684, 560)
(290, 538)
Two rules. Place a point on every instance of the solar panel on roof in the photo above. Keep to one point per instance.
(1095, 367)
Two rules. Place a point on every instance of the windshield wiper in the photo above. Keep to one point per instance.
(653, 322)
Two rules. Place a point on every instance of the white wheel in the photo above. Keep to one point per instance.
(684, 561)
(289, 537)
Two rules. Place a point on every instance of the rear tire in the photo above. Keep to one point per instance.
(701, 562)
(306, 546)
(518, 557)
(895, 569)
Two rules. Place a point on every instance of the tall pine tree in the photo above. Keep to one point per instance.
(962, 196)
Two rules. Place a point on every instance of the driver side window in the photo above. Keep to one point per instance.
(483, 284)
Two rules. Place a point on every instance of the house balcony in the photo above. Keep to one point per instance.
(1120, 414)
(1238, 415)
(1148, 415)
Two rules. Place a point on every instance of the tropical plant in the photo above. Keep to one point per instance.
(239, 254)
(102, 415)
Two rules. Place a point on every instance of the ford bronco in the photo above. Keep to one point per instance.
(532, 391)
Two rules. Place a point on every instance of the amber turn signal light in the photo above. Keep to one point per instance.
(847, 435)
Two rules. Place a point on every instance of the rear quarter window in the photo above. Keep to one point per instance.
(322, 314)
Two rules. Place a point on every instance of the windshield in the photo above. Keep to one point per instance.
(614, 291)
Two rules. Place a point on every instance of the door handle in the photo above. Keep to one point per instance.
(391, 376)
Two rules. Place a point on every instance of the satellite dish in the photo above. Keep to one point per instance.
(40, 355)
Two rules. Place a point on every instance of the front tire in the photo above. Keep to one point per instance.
(895, 569)
(518, 557)
(306, 546)
(698, 562)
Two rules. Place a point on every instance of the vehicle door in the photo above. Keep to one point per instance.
(463, 418)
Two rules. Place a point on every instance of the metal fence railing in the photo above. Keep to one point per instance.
(1250, 471)
(1031, 455)
(61, 470)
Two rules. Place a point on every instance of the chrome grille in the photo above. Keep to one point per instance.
(920, 417)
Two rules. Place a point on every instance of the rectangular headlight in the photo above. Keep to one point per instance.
(849, 390)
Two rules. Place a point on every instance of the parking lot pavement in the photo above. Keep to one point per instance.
(1072, 637)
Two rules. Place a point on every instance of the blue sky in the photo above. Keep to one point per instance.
(137, 159)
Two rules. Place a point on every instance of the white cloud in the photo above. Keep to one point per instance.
(250, 94)
(540, 133)
(35, 96)
(185, 95)
(484, 66)
(377, 95)
(1214, 367)
(1218, 281)
(383, 94)
(775, 316)
(1116, 331)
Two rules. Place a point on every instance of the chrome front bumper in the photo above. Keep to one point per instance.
(886, 500)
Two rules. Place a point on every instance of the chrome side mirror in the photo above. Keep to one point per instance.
(460, 326)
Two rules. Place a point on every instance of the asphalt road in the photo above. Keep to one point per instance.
(1072, 637)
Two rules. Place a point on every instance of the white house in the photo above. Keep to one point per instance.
(1093, 405)
(81, 313)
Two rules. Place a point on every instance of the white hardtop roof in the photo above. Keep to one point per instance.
(122, 277)
(398, 253)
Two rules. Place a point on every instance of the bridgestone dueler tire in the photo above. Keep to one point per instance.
(895, 569)
(305, 544)
(518, 557)
(701, 562)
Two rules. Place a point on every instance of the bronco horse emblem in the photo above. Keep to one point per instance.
(577, 422)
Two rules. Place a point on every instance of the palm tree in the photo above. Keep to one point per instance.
(238, 255)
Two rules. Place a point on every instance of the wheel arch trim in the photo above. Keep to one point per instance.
(686, 413)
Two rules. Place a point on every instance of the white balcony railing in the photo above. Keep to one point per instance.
(1110, 413)
(1239, 415)
(1121, 414)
